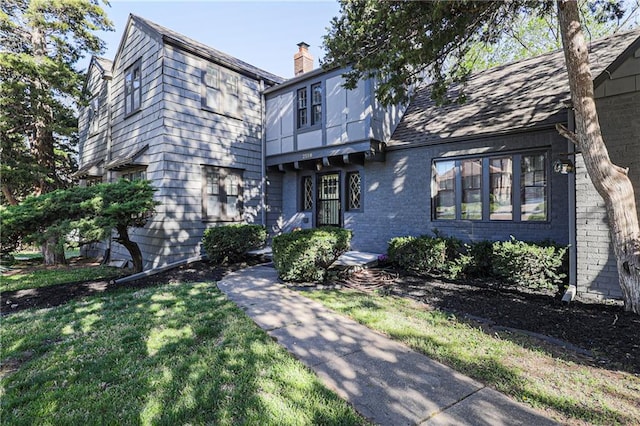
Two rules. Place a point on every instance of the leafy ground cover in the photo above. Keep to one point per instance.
(165, 351)
(513, 342)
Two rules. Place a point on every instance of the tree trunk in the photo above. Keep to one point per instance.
(52, 252)
(43, 140)
(8, 195)
(131, 246)
(611, 181)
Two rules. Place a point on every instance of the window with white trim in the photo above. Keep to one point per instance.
(309, 106)
(481, 188)
(221, 91)
(307, 193)
(222, 194)
(354, 191)
(132, 89)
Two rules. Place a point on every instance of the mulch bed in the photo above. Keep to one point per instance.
(602, 334)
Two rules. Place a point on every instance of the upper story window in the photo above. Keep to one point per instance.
(132, 89)
(462, 188)
(309, 113)
(94, 115)
(221, 91)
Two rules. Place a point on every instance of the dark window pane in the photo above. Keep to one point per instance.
(501, 181)
(445, 198)
(471, 207)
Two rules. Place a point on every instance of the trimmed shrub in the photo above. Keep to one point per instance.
(306, 255)
(229, 244)
(480, 259)
(419, 255)
(529, 265)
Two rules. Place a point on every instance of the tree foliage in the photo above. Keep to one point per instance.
(90, 213)
(41, 42)
(403, 44)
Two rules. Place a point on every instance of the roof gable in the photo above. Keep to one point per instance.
(531, 93)
(185, 43)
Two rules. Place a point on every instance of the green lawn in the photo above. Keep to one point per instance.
(510, 363)
(174, 354)
(42, 277)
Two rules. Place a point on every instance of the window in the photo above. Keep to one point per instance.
(533, 181)
(471, 171)
(93, 180)
(316, 104)
(445, 183)
(138, 174)
(302, 108)
(481, 188)
(221, 91)
(132, 89)
(222, 194)
(354, 193)
(501, 184)
(309, 114)
(94, 115)
(307, 193)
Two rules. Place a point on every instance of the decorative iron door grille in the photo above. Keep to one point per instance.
(328, 213)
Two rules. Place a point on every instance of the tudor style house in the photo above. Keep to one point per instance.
(225, 142)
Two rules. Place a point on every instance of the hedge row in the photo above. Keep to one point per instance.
(517, 263)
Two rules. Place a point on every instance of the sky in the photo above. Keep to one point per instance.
(263, 33)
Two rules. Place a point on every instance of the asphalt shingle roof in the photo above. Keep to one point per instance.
(524, 94)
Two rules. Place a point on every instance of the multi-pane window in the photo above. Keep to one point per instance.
(94, 115)
(309, 106)
(500, 187)
(302, 108)
(132, 89)
(138, 174)
(354, 193)
(533, 182)
(471, 172)
(445, 190)
(307, 193)
(222, 194)
(316, 104)
(221, 91)
(482, 188)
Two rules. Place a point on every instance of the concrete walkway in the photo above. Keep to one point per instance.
(385, 381)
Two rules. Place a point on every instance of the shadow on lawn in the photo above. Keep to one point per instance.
(171, 355)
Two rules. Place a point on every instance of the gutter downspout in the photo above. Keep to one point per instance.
(573, 258)
(263, 158)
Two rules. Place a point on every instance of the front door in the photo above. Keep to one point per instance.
(328, 205)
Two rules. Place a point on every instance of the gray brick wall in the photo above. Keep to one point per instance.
(620, 122)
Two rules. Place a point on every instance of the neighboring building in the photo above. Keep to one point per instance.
(208, 130)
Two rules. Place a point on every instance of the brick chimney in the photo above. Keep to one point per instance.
(302, 60)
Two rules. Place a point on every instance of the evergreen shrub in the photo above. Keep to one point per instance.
(306, 255)
(229, 244)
